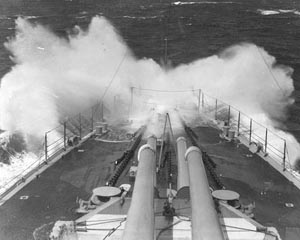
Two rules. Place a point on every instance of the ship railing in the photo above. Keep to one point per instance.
(56, 141)
(246, 128)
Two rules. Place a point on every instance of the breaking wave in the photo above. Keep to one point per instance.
(178, 3)
(278, 11)
(55, 77)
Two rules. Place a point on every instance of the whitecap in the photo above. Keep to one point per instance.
(20, 165)
(83, 13)
(279, 11)
(297, 13)
(134, 17)
(31, 17)
(81, 17)
(287, 10)
(268, 12)
(178, 3)
(129, 17)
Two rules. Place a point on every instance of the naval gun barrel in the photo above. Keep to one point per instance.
(183, 175)
(140, 217)
(152, 141)
(205, 221)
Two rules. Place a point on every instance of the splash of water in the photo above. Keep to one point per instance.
(55, 77)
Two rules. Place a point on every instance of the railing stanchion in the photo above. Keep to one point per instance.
(80, 127)
(102, 112)
(250, 133)
(92, 120)
(284, 155)
(228, 115)
(202, 100)
(199, 96)
(46, 148)
(216, 112)
(65, 135)
(239, 122)
(131, 103)
(266, 140)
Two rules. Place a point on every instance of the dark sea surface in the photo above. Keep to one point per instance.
(194, 29)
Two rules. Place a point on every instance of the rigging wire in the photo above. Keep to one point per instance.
(100, 220)
(111, 81)
(176, 209)
(248, 229)
(273, 77)
(166, 228)
(181, 218)
(114, 229)
(270, 71)
(186, 218)
(114, 76)
(159, 90)
(87, 223)
(288, 157)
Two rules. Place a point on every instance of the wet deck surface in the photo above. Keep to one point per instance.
(53, 195)
(255, 180)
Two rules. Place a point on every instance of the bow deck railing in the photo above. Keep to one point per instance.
(246, 128)
(56, 141)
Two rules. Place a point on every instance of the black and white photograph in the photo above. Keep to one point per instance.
(149, 120)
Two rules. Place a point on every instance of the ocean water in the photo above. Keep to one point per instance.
(194, 29)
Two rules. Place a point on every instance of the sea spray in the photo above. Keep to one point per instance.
(244, 76)
(55, 77)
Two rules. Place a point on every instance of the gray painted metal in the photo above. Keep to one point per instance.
(152, 141)
(140, 217)
(205, 221)
(183, 175)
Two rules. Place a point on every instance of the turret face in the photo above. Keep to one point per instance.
(205, 222)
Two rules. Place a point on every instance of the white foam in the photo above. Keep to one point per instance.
(296, 12)
(268, 12)
(54, 77)
(139, 17)
(178, 3)
(81, 17)
(278, 11)
(19, 166)
(31, 17)
(287, 10)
